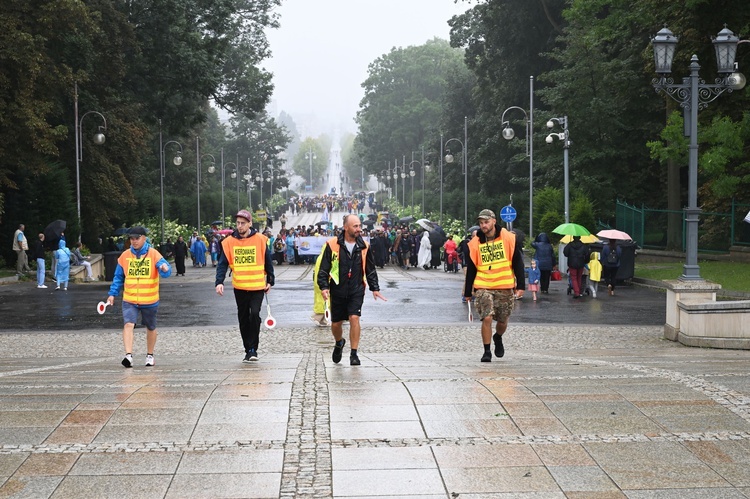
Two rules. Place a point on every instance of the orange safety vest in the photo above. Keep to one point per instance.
(141, 277)
(494, 261)
(247, 259)
(334, 244)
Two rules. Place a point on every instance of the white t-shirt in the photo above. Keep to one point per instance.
(350, 246)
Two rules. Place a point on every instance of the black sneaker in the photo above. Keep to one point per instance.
(487, 357)
(499, 348)
(354, 360)
(247, 358)
(252, 355)
(338, 349)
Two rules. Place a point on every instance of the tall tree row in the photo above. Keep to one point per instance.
(144, 65)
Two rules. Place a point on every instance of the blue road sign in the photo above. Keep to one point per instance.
(507, 214)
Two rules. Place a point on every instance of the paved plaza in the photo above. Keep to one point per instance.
(578, 411)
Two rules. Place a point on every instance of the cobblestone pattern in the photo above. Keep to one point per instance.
(307, 469)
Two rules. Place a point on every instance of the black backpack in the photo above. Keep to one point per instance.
(612, 256)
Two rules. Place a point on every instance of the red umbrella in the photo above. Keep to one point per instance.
(224, 232)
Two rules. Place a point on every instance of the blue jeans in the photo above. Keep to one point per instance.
(40, 271)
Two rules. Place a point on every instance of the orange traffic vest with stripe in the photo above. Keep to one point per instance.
(141, 277)
(494, 261)
(247, 259)
(334, 244)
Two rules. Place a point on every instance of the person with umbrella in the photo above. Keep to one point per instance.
(610, 260)
(545, 257)
(495, 269)
(578, 256)
(137, 276)
(425, 251)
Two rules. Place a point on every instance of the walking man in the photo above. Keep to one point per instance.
(249, 256)
(38, 254)
(137, 276)
(346, 269)
(494, 270)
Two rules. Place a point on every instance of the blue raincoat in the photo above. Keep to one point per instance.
(199, 252)
(62, 270)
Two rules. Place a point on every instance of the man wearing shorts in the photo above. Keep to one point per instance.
(346, 268)
(494, 270)
(137, 276)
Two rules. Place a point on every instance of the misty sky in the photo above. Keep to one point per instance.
(323, 47)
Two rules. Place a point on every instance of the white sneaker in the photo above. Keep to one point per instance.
(127, 361)
(41, 286)
(149, 360)
(57, 288)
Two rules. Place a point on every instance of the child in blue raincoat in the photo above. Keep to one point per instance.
(62, 269)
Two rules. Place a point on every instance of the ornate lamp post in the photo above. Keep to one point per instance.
(412, 174)
(509, 133)
(233, 175)
(565, 137)
(465, 168)
(177, 162)
(211, 169)
(99, 139)
(694, 94)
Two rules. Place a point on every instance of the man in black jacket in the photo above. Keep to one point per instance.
(345, 266)
(578, 256)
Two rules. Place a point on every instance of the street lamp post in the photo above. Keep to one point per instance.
(412, 174)
(232, 175)
(449, 159)
(211, 169)
(310, 155)
(99, 139)
(509, 133)
(565, 137)
(693, 94)
(162, 169)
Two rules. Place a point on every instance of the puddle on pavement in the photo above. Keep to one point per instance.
(391, 284)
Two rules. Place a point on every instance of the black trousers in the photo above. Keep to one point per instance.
(544, 280)
(179, 262)
(248, 313)
(609, 275)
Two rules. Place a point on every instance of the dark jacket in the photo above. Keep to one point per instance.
(471, 269)
(577, 253)
(348, 284)
(38, 250)
(180, 249)
(545, 253)
(603, 257)
(223, 265)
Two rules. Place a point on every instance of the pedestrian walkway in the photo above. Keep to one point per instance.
(626, 415)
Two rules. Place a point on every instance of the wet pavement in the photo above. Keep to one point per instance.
(601, 409)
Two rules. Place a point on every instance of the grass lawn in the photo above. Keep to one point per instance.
(731, 275)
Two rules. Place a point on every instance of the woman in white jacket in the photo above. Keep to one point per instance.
(425, 251)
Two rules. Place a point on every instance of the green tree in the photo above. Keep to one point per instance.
(302, 162)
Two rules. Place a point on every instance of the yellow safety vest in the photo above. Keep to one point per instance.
(141, 277)
(247, 259)
(494, 261)
(334, 273)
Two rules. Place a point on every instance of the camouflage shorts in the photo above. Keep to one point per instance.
(497, 302)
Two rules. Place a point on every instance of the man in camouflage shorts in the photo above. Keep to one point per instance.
(494, 270)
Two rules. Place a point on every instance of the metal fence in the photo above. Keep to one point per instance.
(717, 232)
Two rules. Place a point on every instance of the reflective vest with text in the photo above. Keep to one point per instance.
(247, 259)
(141, 277)
(494, 261)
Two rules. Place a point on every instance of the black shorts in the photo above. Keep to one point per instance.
(343, 307)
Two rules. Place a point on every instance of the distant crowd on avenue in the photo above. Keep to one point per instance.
(490, 257)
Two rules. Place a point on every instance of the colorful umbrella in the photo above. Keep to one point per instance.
(571, 229)
(614, 234)
(584, 239)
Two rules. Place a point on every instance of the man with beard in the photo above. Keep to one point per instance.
(247, 253)
(495, 269)
(346, 269)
